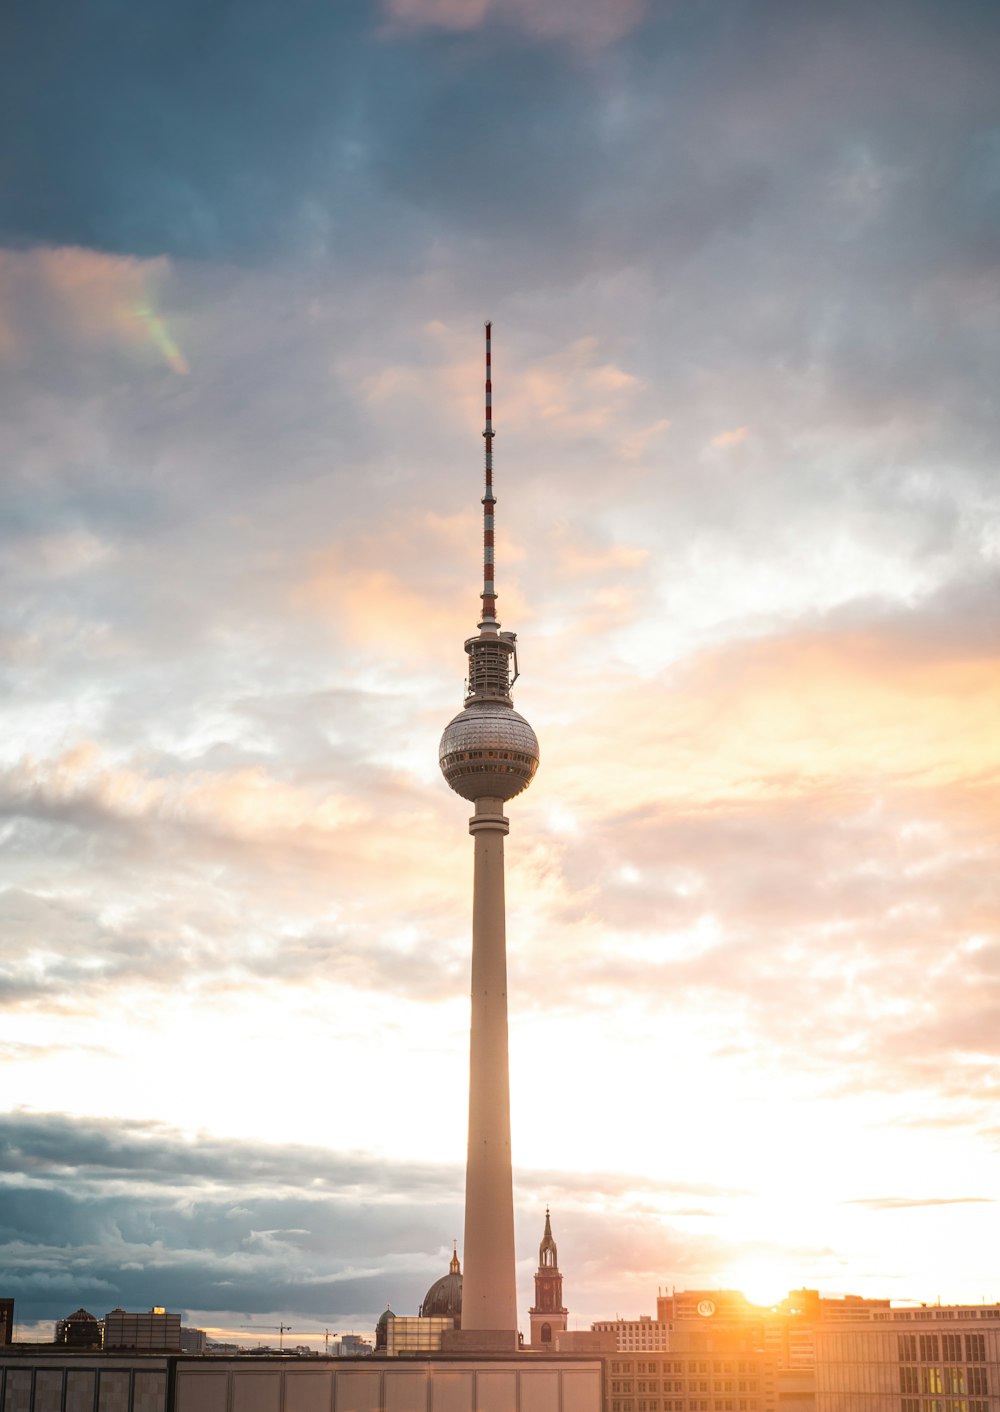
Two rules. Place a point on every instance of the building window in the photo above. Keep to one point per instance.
(908, 1380)
(931, 1380)
(978, 1381)
(951, 1347)
(907, 1347)
(546, 1333)
(955, 1379)
(929, 1348)
(975, 1348)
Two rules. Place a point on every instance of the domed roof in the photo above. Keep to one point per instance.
(488, 751)
(444, 1298)
(381, 1336)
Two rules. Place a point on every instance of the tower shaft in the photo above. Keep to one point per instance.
(489, 1300)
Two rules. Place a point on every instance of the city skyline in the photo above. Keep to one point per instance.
(741, 267)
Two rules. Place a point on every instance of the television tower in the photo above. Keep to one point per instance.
(488, 754)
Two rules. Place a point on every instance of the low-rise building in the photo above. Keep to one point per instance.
(79, 1330)
(642, 1335)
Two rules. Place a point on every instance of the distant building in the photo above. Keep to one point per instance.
(154, 1330)
(440, 1314)
(192, 1340)
(547, 1315)
(351, 1346)
(79, 1330)
(399, 1334)
(6, 1321)
(645, 1334)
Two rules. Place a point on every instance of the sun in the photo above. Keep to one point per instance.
(764, 1284)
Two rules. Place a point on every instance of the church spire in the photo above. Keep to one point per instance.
(548, 1255)
(548, 1316)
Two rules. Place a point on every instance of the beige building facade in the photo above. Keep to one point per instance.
(642, 1335)
(937, 1359)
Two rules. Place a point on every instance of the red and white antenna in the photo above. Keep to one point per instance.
(489, 622)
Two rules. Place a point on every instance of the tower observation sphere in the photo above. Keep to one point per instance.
(488, 751)
(488, 755)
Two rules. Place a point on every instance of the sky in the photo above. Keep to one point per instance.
(742, 265)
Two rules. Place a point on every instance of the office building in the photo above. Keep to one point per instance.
(925, 1359)
(153, 1330)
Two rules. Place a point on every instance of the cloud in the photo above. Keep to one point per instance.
(147, 1214)
(587, 26)
(893, 1203)
(764, 676)
(730, 438)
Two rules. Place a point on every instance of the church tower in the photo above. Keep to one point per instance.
(548, 1317)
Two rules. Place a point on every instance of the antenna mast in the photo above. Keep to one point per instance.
(489, 622)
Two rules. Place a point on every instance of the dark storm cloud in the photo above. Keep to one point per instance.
(144, 1216)
(190, 128)
(50, 1144)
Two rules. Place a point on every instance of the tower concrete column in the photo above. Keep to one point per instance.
(489, 1299)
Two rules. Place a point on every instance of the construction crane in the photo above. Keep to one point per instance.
(279, 1329)
(282, 1329)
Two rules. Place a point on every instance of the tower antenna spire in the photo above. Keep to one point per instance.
(489, 623)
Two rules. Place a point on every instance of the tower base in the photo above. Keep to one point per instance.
(479, 1341)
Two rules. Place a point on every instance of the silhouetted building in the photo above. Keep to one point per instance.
(351, 1346)
(6, 1321)
(547, 1315)
(192, 1340)
(79, 1330)
(440, 1314)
